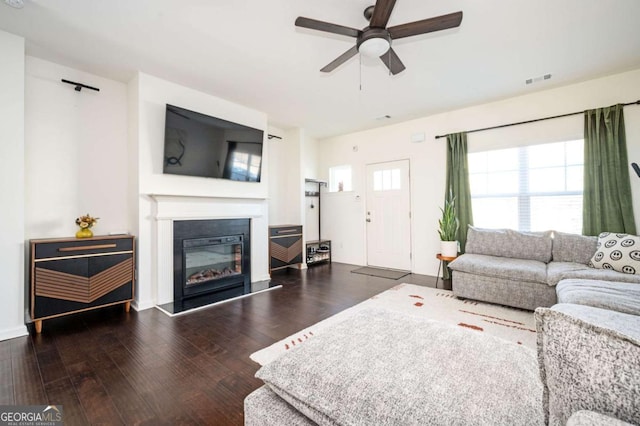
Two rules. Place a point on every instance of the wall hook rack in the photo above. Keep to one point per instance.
(80, 86)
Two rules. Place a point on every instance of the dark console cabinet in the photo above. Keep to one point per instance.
(71, 275)
(285, 246)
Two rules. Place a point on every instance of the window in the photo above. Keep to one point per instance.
(340, 178)
(531, 188)
(386, 180)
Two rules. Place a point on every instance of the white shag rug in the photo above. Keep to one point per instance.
(514, 325)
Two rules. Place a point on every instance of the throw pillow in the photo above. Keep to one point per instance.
(620, 252)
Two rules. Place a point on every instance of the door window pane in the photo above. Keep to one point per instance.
(387, 180)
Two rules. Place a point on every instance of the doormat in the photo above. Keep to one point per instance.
(513, 325)
(380, 272)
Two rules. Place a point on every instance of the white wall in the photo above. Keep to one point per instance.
(279, 163)
(148, 97)
(286, 177)
(309, 167)
(12, 172)
(309, 157)
(343, 213)
(293, 159)
(76, 151)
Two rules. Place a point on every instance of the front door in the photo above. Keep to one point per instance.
(388, 215)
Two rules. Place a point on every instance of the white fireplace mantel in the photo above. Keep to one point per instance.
(170, 208)
(177, 207)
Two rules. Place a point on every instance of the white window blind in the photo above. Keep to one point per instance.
(530, 188)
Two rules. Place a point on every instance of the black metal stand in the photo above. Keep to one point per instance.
(317, 251)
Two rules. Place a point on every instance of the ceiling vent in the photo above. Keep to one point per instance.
(538, 79)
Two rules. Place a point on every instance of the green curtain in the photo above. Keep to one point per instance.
(607, 189)
(458, 182)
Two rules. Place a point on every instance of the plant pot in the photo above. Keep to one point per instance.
(84, 233)
(449, 248)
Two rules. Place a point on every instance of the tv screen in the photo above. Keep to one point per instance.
(200, 145)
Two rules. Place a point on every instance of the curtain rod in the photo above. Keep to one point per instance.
(532, 121)
(80, 86)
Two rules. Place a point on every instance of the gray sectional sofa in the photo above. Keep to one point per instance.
(522, 269)
(385, 368)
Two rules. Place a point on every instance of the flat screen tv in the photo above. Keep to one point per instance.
(196, 144)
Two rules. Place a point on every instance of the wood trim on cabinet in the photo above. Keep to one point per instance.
(80, 256)
(94, 247)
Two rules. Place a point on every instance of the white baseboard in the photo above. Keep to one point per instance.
(141, 306)
(12, 333)
(265, 277)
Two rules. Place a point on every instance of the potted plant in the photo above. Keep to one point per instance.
(448, 230)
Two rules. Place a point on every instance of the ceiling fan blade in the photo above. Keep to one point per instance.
(393, 62)
(341, 59)
(426, 25)
(326, 27)
(381, 13)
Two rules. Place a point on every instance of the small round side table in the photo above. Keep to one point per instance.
(443, 260)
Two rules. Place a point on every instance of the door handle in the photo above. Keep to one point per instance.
(368, 220)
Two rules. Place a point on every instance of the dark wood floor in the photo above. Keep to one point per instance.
(110, 367)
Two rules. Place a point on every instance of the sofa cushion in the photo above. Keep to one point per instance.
(591, 418)
(501, 267)
(620, 297)
(620, 252)
(588, 360)
(557, 271)
(262, 407)
(381, 367)
(509, 243)
(573, 247)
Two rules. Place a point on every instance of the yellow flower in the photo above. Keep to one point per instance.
(86, 221)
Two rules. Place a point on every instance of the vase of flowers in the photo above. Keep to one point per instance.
(85, 223)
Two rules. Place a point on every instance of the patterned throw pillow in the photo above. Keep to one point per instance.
(620, 252)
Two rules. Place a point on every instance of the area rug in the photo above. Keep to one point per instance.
(381, 272)
(510, 324)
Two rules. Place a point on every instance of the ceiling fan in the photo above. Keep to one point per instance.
(376, 39)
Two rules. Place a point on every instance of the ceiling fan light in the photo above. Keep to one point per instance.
(374, 47)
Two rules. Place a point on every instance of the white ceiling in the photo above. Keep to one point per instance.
(250, 52)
